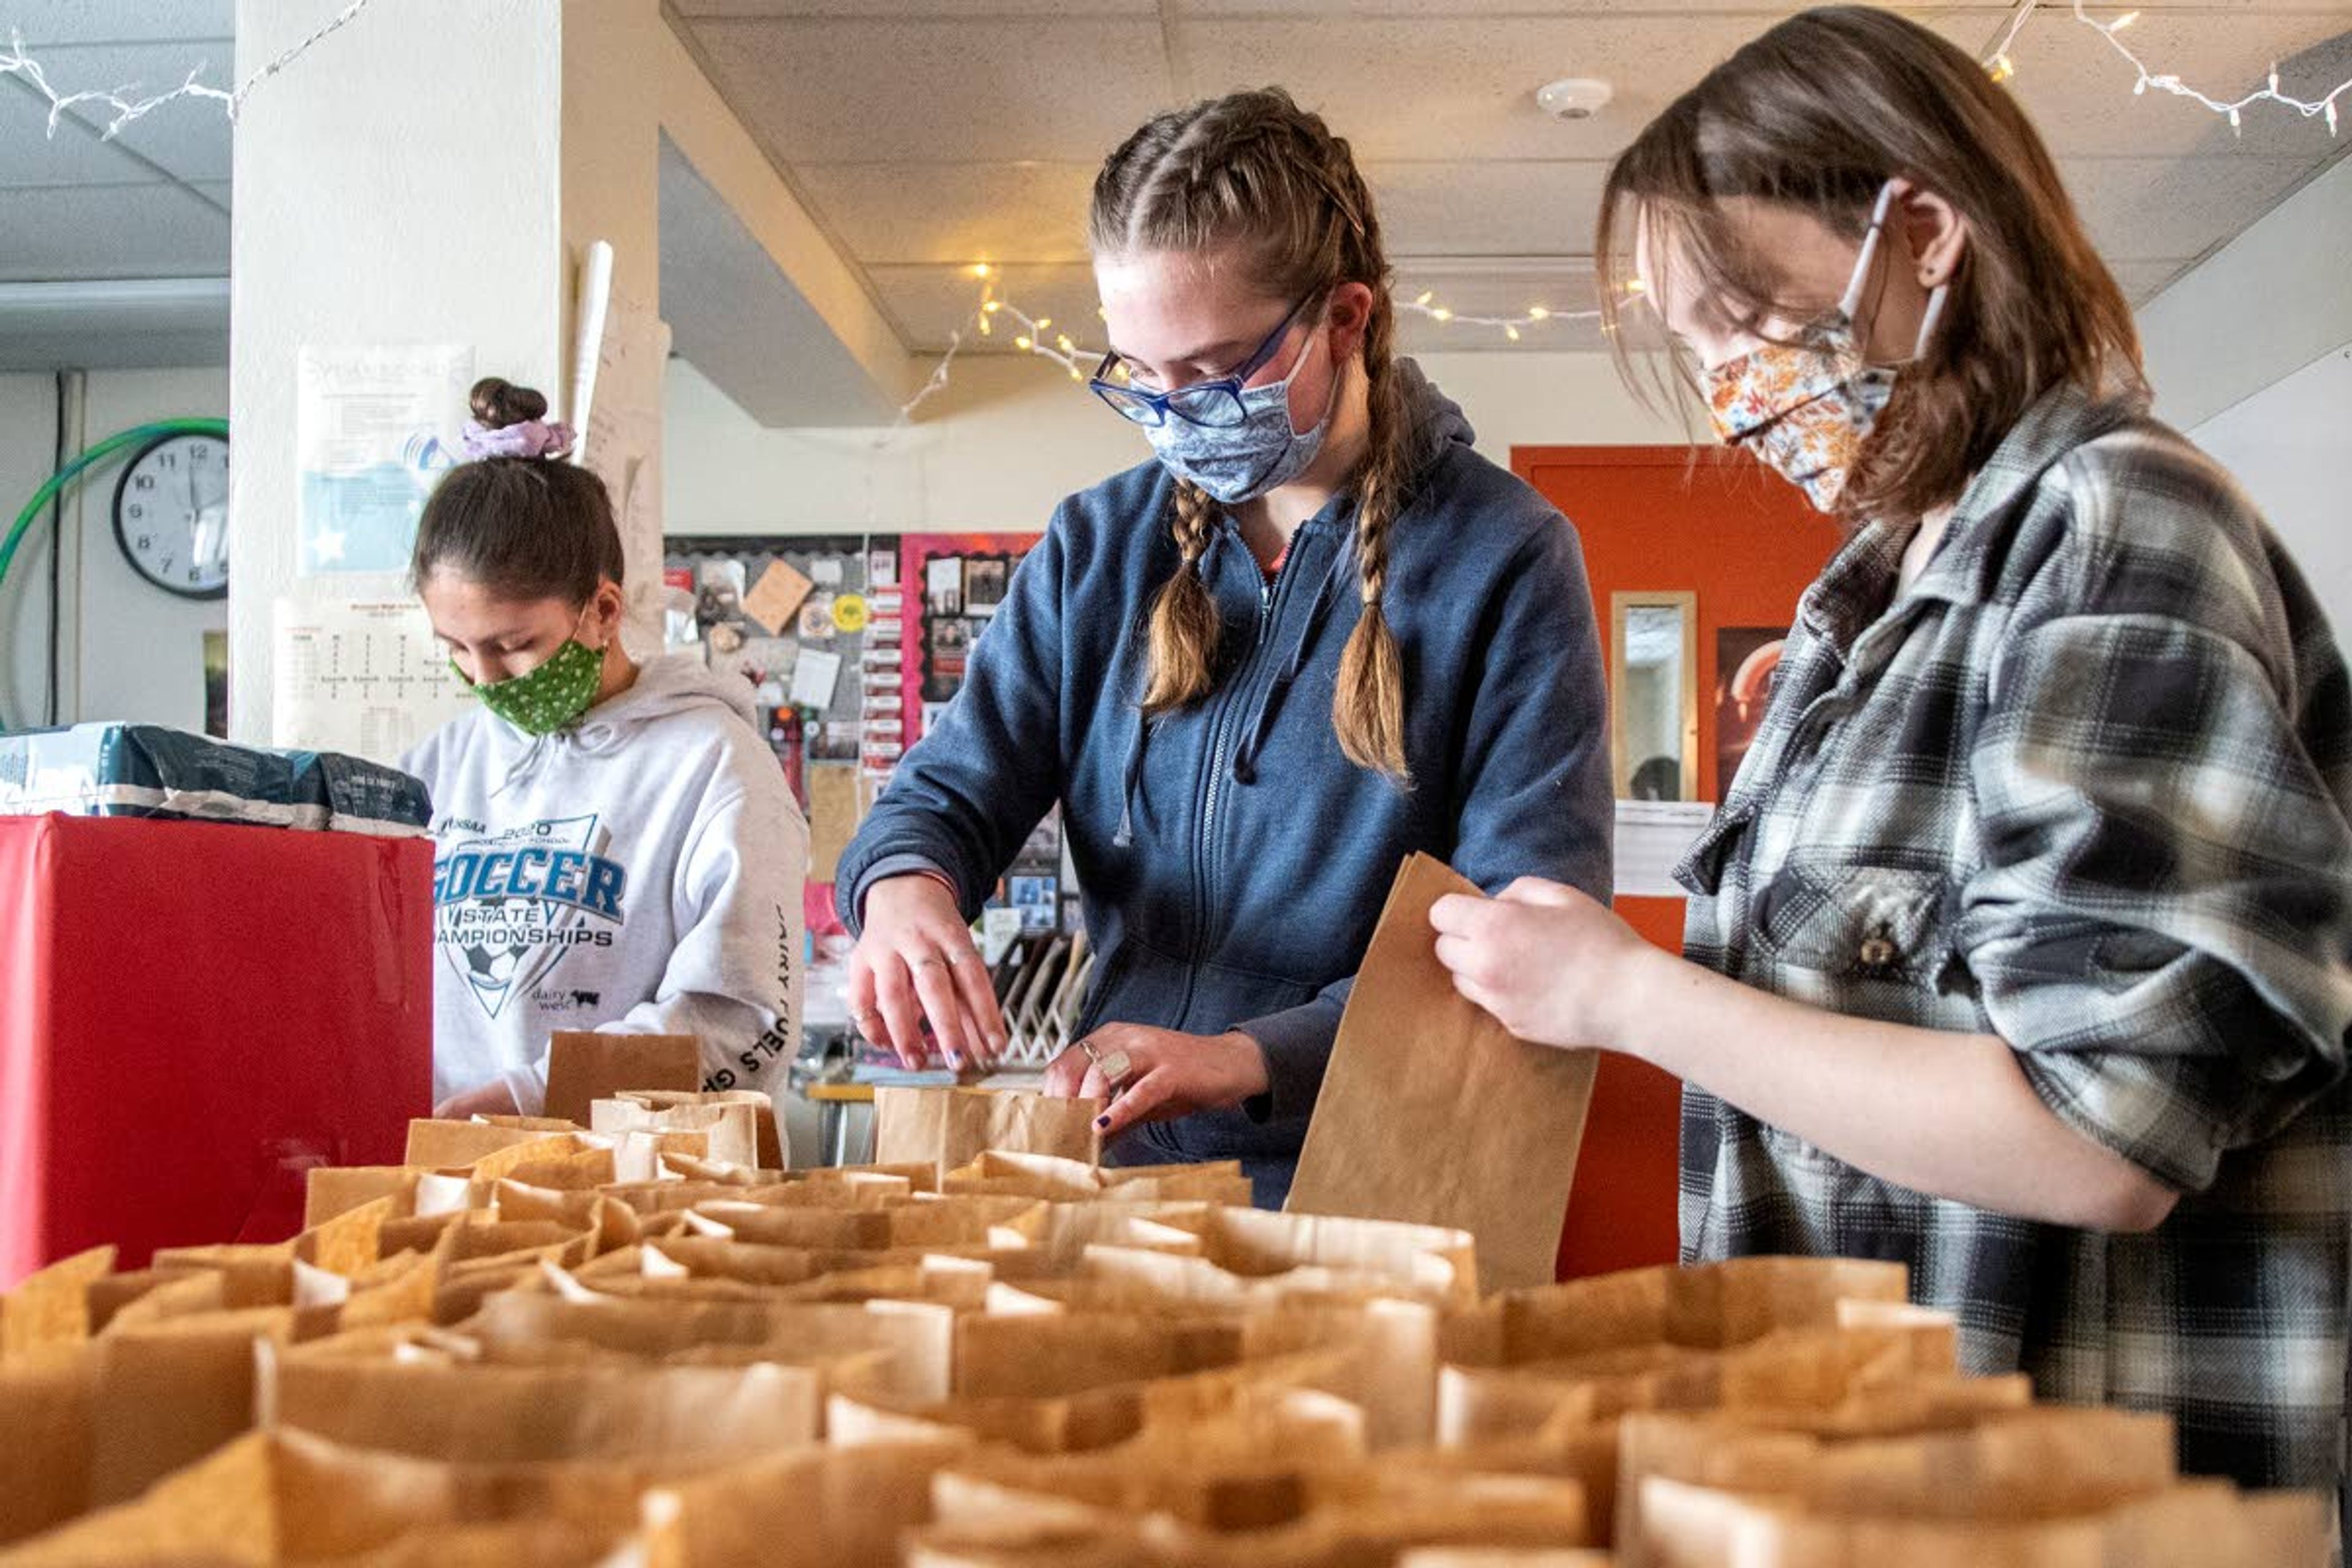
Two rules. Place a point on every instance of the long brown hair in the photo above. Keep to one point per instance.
(1255, 173)
(1818, 114)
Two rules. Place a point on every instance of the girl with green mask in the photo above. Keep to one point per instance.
(615, 845)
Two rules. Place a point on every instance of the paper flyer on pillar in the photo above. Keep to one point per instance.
(375, 427)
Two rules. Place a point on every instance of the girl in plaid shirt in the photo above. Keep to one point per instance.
(2021, 947)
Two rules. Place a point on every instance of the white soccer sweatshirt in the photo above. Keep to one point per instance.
(640, 872)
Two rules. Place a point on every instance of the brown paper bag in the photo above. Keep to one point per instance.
(1973, 1449)
(439, 1145)
(1504, 1557)
(1430, 1111)
(1077, 1181)
(951, 1128)
(2192, 1524)
(339, 1189)
(46, 1399)
(52, 1307)
(1711, 1307)
(289, 1497)
(1243, 1470)
(585, 1065)
(663, 1110)
(809, 1508)
(1330, 1517)
(1327, 1252)
(582, 1408)
(918, 1337)
(1082, 1420)
(170, 1392)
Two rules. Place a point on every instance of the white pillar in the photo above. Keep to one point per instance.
(401, 182)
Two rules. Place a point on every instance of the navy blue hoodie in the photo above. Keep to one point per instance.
(1233, 861)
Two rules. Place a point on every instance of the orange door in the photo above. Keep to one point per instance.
(1666, 519)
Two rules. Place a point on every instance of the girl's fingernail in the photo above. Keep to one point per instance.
(1102, 1122)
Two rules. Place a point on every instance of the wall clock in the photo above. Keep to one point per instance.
(170, 514)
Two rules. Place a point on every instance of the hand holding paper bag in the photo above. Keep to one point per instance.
(1539, 959)
(1430, 1111)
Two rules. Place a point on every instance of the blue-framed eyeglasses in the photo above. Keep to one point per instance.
(1215, 405)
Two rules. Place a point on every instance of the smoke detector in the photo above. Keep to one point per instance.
(1574, 97)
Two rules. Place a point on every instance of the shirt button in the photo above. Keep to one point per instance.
(1877, 953)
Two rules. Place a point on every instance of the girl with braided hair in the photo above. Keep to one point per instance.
(1317, 634)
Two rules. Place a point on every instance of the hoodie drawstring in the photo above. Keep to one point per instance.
(1125, 838)
(523, 766)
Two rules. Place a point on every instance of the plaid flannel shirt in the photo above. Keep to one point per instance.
(2084, 785)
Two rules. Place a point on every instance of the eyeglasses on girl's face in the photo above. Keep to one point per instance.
(1214, 405)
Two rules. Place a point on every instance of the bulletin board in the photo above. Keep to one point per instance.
(852, 644)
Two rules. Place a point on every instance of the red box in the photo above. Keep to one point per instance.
(192, 1015)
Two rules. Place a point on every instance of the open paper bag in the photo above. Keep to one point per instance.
(952, 1128)
(1432, 1112)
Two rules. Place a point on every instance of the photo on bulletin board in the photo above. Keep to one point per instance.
(216, 685)
(962, 579)
(984, 577)
(1746, 658)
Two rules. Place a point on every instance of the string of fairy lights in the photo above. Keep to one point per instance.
(122, 108)
(997, 317)
(2002, 63)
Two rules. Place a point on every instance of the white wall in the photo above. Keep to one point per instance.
(2251, 354)
(415, 201)
(1012, 435)
(2291, 446)
(130, 651)
(2257, 310)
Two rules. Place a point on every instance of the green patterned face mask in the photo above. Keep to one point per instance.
(551, 698)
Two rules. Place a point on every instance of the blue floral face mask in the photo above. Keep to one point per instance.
(1234, 442)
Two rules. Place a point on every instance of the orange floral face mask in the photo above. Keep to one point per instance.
(1804, 408)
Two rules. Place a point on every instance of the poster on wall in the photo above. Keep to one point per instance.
(1746, 658)
(374, 428)
(364, 676)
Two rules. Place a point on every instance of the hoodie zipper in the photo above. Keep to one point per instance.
(1269, 597)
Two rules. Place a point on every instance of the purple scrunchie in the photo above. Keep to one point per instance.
(531, 439)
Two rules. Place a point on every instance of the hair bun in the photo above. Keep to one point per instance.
(498, 403)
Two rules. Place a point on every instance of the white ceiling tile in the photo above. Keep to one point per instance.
(1487, 209)
(29, 155)
(921, 90)
(122, 21)
(1463, 87)
(2154, 208)
(2143, 280)
(1011, 110)
(114, 231)
(954, 212)
(931, 303)
(189, 138)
